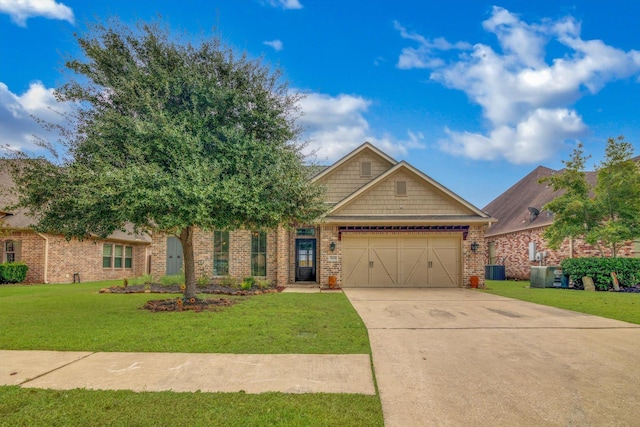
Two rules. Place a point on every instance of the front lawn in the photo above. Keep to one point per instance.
(614, 305)
(34, 407)
(77, 317)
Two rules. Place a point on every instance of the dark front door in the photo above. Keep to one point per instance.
(305, 260)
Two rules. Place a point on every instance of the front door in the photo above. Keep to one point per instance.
(305, 260)
(174, 255)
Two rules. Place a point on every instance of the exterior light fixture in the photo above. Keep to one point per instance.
(474, 247)
(332, 246)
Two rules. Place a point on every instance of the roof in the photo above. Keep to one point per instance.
(18, 219)
(511, 208)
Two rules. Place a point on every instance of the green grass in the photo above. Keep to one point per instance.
(614, 305)
(34, 407)
(77, 317)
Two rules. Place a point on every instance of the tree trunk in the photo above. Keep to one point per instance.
(186, 238)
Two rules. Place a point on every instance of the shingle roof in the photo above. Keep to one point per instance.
(511, 208)
(17, 219)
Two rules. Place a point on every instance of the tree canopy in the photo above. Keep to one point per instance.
(606, 214)
(170, 135)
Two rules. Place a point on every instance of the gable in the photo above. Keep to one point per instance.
(346, 177)
(422, 198)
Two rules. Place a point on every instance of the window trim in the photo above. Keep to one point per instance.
(15, 250)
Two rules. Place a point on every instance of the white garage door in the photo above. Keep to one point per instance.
(401, 261)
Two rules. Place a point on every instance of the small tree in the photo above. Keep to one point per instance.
(604, 215)
(170, 136)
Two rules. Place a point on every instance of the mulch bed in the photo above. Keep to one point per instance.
(197, 305)
(184, 304)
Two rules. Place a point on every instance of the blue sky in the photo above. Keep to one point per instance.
(475, 94)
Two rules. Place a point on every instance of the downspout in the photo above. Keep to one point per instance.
(571, 247)
(46, 257)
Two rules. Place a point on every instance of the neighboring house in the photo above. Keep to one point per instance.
(521, 222)
(389, 225)
(53, 259)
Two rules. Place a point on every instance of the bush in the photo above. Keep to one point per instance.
(230, 282)
(13, 272)
(600, 269)
(175, 279)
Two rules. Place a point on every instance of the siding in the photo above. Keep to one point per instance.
(346, 179)
(421, 199)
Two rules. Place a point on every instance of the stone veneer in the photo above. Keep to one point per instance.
(512, 250)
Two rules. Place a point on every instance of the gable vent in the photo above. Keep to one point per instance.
(365, 168)
(401, 188)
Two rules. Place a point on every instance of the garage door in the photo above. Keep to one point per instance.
(401, 261)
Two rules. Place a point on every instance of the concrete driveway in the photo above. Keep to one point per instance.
(449, 357)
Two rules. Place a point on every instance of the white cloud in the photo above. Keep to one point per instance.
(276, 44)
(334, 126)
(526, 100)
(285, 4)
(21, 10)
(17, 112)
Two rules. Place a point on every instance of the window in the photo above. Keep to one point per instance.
(365, 169)
(128, 256)
(305, 232)
(107, 252)
(118, 256)
(220, 253)
(401, 188)
(11, 251)
(258, 253)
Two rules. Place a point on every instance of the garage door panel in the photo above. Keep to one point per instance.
(356, 266)
(444, 267)
(401, 261)
(413, 266)
(384, 266)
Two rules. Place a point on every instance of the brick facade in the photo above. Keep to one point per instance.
(53, 259)
(512, 250)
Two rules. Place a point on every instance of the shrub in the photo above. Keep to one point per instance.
(263, 283)
(203, 280)
(229, 282)
(600, 269)
(175, 279)
(13, 272)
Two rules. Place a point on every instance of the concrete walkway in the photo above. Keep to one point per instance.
(181, 372)
(457, 357)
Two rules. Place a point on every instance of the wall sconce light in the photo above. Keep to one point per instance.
(474, 247)
(332, 246)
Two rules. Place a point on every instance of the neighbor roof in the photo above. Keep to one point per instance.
(511, 208)
(18, 219)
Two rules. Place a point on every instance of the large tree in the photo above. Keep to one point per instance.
(170, 135)
(606, 214)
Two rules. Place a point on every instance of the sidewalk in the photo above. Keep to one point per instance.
(188, 372)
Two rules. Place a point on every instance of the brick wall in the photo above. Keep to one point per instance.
(473, 262)
(512, 250)
(239, 254)
(65, 258)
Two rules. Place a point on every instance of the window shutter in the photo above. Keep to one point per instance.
(401, 188)
(365, 169)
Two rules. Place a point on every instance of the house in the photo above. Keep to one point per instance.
(389, 225)
(521, 222)
(53, 259)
